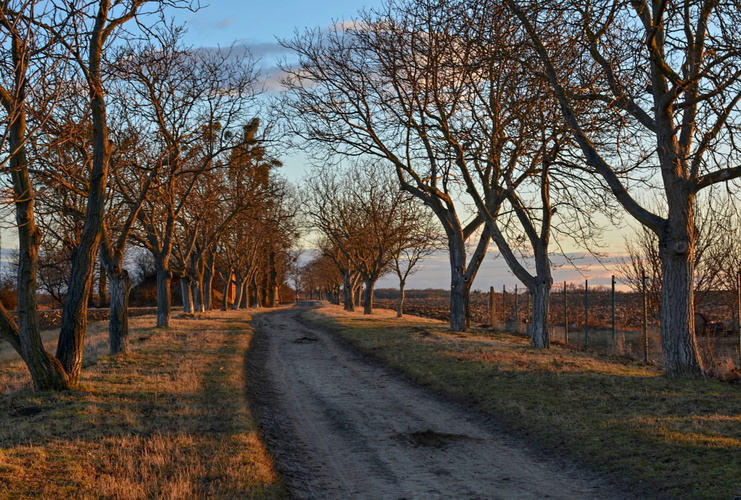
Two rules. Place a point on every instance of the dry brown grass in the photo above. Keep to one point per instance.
(168, 421)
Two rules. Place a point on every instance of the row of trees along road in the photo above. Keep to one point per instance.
(111, 141)
(367, 228)
(541, 114)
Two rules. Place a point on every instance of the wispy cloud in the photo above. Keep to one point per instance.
(225, 23)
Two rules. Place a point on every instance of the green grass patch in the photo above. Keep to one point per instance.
(170, 420)
(655, 436)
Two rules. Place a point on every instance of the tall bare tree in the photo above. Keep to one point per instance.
(346, 97)
(669, 70)
(80, 33)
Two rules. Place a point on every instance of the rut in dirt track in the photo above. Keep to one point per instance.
(340, 427)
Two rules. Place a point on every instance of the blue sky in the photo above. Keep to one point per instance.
(257, 24)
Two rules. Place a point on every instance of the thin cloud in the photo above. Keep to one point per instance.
(225, 23)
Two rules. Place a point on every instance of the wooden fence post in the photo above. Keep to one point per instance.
(645, 319)
(586, 314)
(613, 309)
(492, 310)
(565, 317)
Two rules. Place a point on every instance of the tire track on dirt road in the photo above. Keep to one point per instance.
(341, 427)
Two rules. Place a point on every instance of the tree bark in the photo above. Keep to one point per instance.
(538, 327)
(227, 278)
(102, 287)
(678, 338)
(347, 292)
(46, 372)
(461, 277)
(244, 300)
(239, 288)
(71, 345)
(460, 311)
(402, 297)
(208, 281)
(370, 284)
(253, 292)
(164, 295)
(118, 324)
(187, 292)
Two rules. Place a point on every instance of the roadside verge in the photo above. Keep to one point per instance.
(170, 420)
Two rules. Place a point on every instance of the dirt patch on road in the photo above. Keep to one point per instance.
(341, 427)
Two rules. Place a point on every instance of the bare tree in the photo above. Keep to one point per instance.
(486, 115)
(321, 276)
(364, 217)
(344, 99)
(420, 238)
(195, 102)
(668, 69)
(80, 33)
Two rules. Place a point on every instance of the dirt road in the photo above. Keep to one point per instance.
(341, 427)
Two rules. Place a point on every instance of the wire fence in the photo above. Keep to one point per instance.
(620, 323)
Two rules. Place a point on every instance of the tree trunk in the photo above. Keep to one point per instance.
(244, 300)
(368, 298)
(347, 292)
(460, 287)
(402, 296)
(196, 282)
(187, 292)
(118, 324)
(239, 283)
(272, 295)
(462, 276)
(538, 327)
(102, 287)
(196, 290)
(459, 303)
(46, 372)
(71, 345)
(225, 294)
(208, 282)
(196, 286)
(164, 295)
(678, 339)
(254, 294)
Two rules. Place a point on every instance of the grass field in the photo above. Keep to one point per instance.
(168, 421)
(658, 437)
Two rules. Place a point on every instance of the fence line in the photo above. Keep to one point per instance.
(622, 323)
